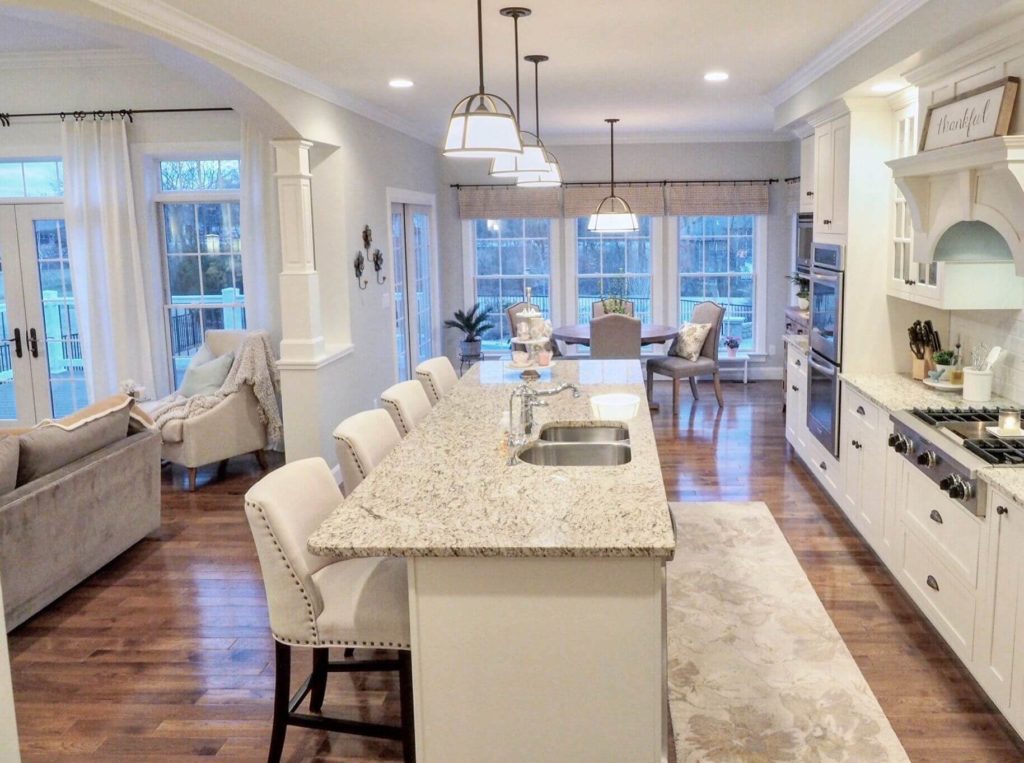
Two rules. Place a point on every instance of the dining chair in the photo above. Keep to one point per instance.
(408, 404)
(678, 368)
(615, 336)
(438, 377)
(601, 307)
(361, 442)
(512, 314)
(316, 602)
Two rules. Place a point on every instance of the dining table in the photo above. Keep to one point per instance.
(650, 333)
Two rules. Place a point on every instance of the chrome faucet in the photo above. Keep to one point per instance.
(518, 432)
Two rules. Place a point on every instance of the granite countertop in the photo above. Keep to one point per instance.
(447, 489)
(800, 341)
(897, 392)
(1008, 479)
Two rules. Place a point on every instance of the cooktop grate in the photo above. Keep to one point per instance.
(997, 450)
(937, 416)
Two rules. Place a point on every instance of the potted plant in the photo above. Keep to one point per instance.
(803, 289)
(614, 305)
(472, 323)
(732, 343)
(944, 360)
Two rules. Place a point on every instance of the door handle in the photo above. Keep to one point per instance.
(17, 342)
(33, 343)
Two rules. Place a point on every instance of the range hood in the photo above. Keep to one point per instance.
(966, 202)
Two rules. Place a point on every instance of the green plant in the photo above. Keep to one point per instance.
(802, 283)
(615, 305)
(944, 358)
(473, 323)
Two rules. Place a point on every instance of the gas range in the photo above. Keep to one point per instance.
(950, 445)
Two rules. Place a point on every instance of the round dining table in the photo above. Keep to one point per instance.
(650, 333)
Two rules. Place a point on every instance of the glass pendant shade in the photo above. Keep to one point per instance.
(547, 178)
(533, 159)
(482, 126)
(613, 215)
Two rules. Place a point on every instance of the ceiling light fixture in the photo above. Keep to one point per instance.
(482, 125)
(613, 214)
(716, 76)
(551, 175)
(400, 83)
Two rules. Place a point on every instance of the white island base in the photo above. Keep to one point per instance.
(547, 660)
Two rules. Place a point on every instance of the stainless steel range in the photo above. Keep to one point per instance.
(950, 445)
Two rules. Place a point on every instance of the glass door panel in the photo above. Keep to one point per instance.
(401, 305)
(422, 242)
(412, 245)
(17, 404)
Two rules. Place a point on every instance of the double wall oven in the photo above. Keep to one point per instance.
(826, 344)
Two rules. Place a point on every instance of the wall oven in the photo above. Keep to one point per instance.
(823, 402)
(826, 343)
(826, 314)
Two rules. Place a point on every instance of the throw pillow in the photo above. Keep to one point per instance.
(207, 378)
(9, 450)
(691, 339)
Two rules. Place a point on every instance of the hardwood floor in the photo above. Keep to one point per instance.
(165, 654)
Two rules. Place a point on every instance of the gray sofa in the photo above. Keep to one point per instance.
(59, 528)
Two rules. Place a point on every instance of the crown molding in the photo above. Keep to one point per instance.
(718, 136)
(188, 29)
(865, 30)
(65, 59)
(989, 43)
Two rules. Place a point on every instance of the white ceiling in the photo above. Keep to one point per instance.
(640, 60)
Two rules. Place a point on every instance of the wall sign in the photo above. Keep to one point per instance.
(984, 112)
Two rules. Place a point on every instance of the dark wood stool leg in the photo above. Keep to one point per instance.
(192, 479)
(405, 692)
(261, 459)
(318, 683)
(282, 682)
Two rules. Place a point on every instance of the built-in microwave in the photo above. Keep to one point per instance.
(827, 256)
(803, 243)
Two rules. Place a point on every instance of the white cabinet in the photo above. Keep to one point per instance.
(807, 174)
(796, 399)
(862, 457)
(890, 549)
(832, 176)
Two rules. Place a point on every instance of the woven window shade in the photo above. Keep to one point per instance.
(717, 199)
(505, 202)
(582, 201)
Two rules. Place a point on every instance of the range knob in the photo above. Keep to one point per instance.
(893, 439)
(928, 459)
(946, 483)
(961, 490)
(903, 445)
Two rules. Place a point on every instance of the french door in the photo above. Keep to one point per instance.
(41, 368)
(412, 247)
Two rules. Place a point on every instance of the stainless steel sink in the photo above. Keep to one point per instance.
(541, 453)
(584, 432)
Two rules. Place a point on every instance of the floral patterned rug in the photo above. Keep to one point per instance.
(757, 671)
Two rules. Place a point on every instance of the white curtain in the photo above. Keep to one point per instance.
(106, 264)
(261, 242)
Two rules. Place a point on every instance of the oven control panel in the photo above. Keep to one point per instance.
(932, 459)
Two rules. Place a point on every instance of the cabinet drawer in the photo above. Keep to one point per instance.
(825, 469)
(797, 362)
(947, 602)
(861, 408)
(953, 533)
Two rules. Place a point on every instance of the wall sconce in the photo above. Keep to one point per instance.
(378, 264)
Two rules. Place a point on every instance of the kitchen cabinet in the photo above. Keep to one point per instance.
(890, 549)
(863, 459)
(832, 176)
(807, 174)
(796, 399)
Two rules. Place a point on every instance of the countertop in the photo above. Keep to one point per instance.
(800, 341)
(897, 392)
(447, 489)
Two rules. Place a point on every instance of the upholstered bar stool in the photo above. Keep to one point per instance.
(361, 442)
(438, 377)
(408, 404)
(316, 603)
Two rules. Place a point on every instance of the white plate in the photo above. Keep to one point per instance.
(1000, 433)
(942, 386)
(534, 366)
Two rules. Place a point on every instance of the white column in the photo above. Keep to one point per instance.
(301, 324)
(8, 727)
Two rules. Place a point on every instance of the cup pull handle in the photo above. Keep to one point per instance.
(936, 517)
(861, 411)
(932, 583)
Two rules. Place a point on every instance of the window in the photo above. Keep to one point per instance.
(201, 241)
(32, 179)
(717, 262)
(613, 265)
(509, 256)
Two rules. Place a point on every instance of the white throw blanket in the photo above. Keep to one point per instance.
(254, 365)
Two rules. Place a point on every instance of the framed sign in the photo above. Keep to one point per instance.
(984, 112)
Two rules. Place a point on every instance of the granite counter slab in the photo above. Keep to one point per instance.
(447, 489)
(1007, 479)
(898, 392)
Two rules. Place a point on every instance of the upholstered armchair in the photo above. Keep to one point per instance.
(678, 368)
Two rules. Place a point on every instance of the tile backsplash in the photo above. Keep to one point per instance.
(994, 327)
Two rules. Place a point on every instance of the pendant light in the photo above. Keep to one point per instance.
(613, 214)
(482, 125)
(532, 158)
(551, 175)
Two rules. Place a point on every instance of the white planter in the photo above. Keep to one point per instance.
(977, 386)
(803, 303)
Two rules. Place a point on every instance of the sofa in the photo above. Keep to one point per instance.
(62, 522)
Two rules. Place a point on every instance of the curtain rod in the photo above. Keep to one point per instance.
(5, 118)
(791, 180)
(631, 183)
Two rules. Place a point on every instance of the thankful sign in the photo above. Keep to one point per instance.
(974, 115)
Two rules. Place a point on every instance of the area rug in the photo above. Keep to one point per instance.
(757, 671)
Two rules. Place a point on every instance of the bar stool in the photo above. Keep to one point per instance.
(316, 602)
(361, 442)
(438, 377)
(408, 404)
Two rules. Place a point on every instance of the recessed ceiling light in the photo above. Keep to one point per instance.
(400, 83)
(716, 76)
(886, 87)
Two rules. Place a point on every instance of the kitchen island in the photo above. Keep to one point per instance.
(536, 592)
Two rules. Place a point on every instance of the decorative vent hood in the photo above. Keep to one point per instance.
(967, 201)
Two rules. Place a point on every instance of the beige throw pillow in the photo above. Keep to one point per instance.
(691, 339)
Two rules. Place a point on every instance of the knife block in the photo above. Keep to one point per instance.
(921, 366)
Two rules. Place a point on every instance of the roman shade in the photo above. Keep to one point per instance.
(506, 202)
(582, 201)
(717, 199)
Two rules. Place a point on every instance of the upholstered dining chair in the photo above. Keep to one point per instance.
(512, 314)
(361, 442)
(678, 368)
(615, 336)
(438, 377)
(408, 404)
(316, 602)
(601, 307)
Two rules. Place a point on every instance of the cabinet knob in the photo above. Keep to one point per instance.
(827, 222)
(798, 363)
(823, 466)
(794, 388)
(932, 583)
(1002, 510)
(810, 193)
